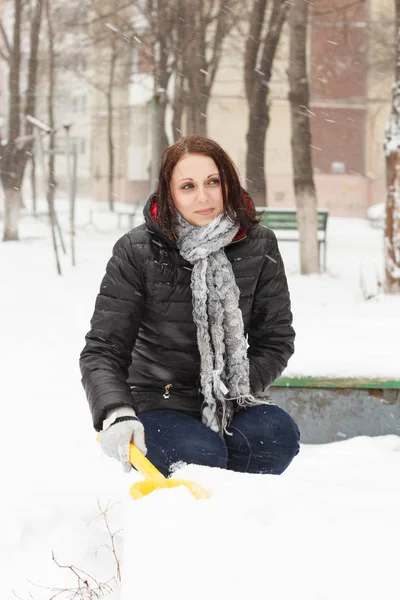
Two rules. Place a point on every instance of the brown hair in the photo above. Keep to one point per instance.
(236, 206)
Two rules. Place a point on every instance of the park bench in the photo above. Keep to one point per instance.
(283, 221)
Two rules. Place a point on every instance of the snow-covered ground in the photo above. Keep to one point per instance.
(346, 326)
(323, 530)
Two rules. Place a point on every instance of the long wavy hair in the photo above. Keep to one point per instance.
(237, 203)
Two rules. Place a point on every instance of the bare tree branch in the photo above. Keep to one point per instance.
(105, 16)
(253, 46)
(5, 39)
(276, 21)
(3, 56)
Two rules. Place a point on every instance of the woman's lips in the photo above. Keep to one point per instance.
(205, 212)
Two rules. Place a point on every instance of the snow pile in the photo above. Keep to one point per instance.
(323, 530)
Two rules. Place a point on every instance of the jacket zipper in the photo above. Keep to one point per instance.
(167, 388)
(237, 241)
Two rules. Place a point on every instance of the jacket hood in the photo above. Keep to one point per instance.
(150, 216)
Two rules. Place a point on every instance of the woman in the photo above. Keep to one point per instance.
(192, 325)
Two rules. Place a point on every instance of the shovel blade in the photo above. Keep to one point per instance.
(143, 488)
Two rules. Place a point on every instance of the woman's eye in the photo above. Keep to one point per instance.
(189, 186)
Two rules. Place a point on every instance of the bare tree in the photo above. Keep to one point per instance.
(207, 24)
(15, 150)
(161, 16)
(110, 137)
(187, 40)
(51, 184)
(111, 31)
(5, 47)
(260, 52)
(303, 180)
(178, 100)
(392, 226)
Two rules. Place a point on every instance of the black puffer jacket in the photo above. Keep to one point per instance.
(141, 349)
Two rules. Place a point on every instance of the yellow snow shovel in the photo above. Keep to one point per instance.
(154, 480)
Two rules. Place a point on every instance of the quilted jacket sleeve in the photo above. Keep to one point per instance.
(271, 335)
(106, 357)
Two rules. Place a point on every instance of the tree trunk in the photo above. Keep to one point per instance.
(392, 222)
(392, 226)
(162, 107)
(15, 74)
(10, 155)
(255, 157)
(33, 184)
(304, 188)
(50, 107)
(257, 76)
(187, 40)
(196, 113)
(11, 214)
(196, 72)
(51, 183)
(110, 137)
(14, 154)
(162, 73)
(178, 105)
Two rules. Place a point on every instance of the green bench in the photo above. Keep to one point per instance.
(284, 220)
(337, 382)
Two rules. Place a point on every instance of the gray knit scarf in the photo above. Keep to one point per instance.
(220, 332)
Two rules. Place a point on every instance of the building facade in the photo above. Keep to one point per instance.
(351, 70)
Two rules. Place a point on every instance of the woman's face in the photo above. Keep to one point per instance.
(196, 189)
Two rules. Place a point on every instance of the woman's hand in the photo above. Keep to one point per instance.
(120, 429)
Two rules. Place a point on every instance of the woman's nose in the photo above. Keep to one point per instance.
(202, 194)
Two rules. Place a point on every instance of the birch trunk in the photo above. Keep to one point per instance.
(13, 156)
(392, 224)
(392, 227)
(10, 156)
(303, 180)
(11, 214)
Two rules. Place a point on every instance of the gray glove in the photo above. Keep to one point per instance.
(116, 437)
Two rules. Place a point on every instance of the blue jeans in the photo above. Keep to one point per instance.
(264, 439)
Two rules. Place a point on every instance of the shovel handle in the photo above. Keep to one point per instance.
(142, 464)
